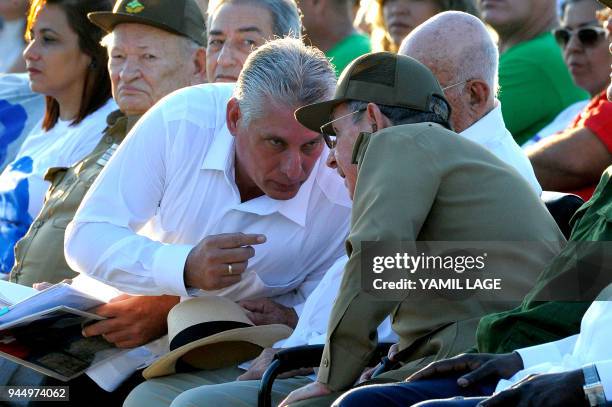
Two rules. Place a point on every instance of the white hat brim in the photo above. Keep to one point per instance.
(263, 336)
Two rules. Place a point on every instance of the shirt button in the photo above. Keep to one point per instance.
(325, 362)
(108, 140)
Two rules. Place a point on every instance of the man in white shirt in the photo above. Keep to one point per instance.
(205, 176)
(460, 52)
(210, 389)
(206, 165)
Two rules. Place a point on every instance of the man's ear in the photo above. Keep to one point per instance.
(199, 67)
(479, 92)
(233, 115)
(378, 120)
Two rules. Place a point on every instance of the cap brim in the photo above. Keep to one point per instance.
(315, 115)
(263, 336)
(107, 21)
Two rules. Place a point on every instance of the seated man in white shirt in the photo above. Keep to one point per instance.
(460, 52)
(211, 388)
(210, 172)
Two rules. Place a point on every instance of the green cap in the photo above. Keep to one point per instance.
(182, 17)
(382, 78)
(606, 3)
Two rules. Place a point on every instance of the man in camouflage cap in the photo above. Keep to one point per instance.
(413, 179)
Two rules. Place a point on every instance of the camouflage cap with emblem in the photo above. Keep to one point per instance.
(182, 17)
(383, 78)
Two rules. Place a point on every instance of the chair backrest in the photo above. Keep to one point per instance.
(562, 207)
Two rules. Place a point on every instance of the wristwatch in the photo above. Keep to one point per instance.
(593, 389)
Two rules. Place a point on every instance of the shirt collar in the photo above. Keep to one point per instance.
(220, 154)
(220, 157)
(489, 127)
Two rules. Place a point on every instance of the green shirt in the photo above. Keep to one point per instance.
(344, 52)
(536, 322)
(535, 86)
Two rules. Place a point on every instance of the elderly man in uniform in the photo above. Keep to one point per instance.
(433, 186)
(572, 370)
(151, 53)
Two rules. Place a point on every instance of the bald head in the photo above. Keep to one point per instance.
(457, 47)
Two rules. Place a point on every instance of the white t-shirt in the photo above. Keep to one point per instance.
(22, 184)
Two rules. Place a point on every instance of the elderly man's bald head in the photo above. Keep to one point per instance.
(457, 47)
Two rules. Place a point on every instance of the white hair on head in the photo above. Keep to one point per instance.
(441, 43)
(284, 72)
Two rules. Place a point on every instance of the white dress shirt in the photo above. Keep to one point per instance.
(171, 183)
(311, 328)
(592, 345)
(491, 133)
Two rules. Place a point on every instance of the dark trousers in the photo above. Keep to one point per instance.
(409, 393)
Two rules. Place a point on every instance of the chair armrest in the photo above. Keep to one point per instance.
(300, 357)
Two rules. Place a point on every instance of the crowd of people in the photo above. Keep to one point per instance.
(220, 165)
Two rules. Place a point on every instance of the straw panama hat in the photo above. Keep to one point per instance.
(212, 332)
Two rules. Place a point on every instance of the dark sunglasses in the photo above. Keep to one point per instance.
(588, 36)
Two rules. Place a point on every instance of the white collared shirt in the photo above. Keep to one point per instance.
(592, 345)
(171, 183)
(491, 133)
(312, 326)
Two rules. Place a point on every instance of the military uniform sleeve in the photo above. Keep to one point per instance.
(396, 187)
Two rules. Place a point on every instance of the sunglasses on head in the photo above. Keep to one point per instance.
(588, 36)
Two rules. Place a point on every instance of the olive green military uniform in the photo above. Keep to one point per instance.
(535, 322)
(39, 256)
(421, 182)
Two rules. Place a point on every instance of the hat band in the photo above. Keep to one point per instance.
(202, 330)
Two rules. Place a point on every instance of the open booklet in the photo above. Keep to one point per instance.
(42, 329)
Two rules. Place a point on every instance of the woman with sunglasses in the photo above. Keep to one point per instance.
(573, 159)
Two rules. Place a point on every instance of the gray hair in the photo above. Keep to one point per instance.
(285, 72)
(286, 20)
(439, 112)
